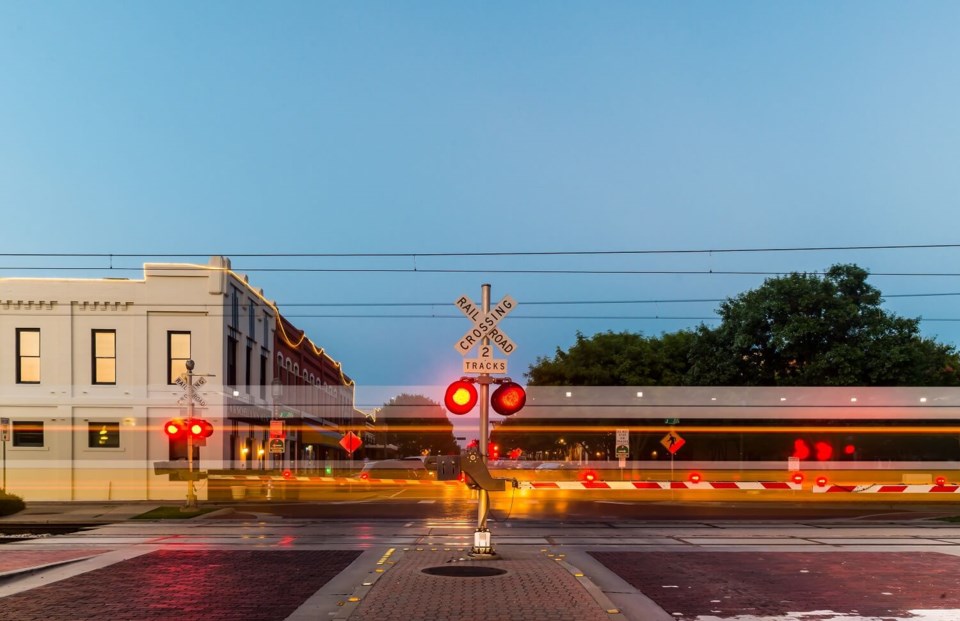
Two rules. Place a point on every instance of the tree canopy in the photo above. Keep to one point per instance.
(415, 424)
(795, 330)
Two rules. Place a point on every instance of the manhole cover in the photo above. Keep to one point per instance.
(464, 571)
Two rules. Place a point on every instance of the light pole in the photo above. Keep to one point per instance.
(191, 491)
(276, 391)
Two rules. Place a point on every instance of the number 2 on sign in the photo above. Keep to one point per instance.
(485, 351)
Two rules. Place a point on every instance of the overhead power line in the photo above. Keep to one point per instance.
(546, 253)
(416, 270)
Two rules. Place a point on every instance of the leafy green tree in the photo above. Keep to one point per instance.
(810, 330)
(415, 424)
(616, 359)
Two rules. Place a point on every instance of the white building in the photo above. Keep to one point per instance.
(88, 371)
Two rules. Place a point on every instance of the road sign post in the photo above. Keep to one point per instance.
(486, 334)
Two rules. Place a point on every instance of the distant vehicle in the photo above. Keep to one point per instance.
(429, 461)
(407, 469)
(558, 465)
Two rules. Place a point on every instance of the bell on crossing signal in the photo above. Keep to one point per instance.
(175, 428)
(460, 397)
(200, 428)
(508, 399)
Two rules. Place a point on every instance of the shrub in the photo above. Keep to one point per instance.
(10, 503)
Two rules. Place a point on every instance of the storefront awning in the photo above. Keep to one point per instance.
(316, 434)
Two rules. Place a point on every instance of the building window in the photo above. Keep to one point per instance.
(104, 364)
(231, 361)
(266, 330)
(263, 376)
(252, 321)
(28, 433)
(103, 435)
(28, 355)
(178, 352)
(247, 370)
(235, 308)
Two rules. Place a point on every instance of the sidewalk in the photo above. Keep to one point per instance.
(79, 512)
(533, 586)
(387, 583)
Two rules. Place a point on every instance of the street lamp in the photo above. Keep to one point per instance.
(276, 391)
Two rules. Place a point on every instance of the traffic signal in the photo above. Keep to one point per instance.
(200, 428)
(175, 429)
(508, 398)
(460, 397)
(179, 429)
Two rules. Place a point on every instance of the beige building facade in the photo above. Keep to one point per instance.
(89, 370)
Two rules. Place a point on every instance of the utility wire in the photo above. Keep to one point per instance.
(416, 270)
(570, 253)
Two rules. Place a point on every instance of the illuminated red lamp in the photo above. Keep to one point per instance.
(175, 428)
(287, 474)
(822, 451)
(460, 397)
(364, 476)
(849, 449)
(941, 481)
(200, 428)
(508, 399)
(801, 450)
(797, 477)
(588, 476)
(694, 477)
(821, 481)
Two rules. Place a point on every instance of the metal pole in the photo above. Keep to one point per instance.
(191, 492)
(481, 537)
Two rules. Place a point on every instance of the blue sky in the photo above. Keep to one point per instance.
(445, 127)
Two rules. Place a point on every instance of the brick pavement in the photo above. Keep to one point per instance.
(774, 584)
(536, 587)
(181, 585)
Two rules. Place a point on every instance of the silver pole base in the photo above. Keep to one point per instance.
(481, 546)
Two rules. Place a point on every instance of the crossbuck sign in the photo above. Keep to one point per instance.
(185, 399)
(485, 326)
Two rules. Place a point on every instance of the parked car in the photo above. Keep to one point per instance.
(394, 469)
(429, 461)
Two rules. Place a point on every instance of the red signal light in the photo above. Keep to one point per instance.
(287, 474)
(694, 477)
(200, 428)
(797, 477)
(460, 397)
(823, 451)
(175, 428)
(849, 449)
(821, 481)
(588, 476)
(508, 399)
(801, 450)
(941, 481)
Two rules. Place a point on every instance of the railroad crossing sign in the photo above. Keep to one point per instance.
(485, 326)
(672, 442)
(182, 383)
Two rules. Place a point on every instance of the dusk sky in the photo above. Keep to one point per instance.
(174, 131)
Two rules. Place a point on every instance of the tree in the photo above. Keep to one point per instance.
(795, 330)
(415, 424)
(616, 359)
(808, 330)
